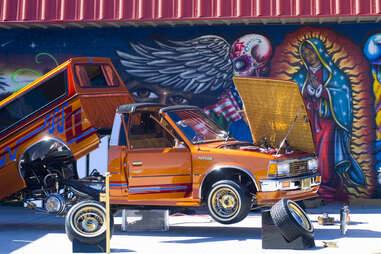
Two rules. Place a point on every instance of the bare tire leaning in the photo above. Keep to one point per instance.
(86, 222)
(228, 202)
(291, 220)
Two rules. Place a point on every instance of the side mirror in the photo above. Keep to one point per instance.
(179, 144)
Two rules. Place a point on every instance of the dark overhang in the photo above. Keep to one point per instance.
(136, 13)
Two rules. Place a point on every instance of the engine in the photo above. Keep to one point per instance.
(57, 201)
(49, 171)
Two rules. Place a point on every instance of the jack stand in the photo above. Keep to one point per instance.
(79, 247)
(145, 220)
(273, 239)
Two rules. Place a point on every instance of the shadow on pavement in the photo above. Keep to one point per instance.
(205, 234)
(334, 233)
(120, 250)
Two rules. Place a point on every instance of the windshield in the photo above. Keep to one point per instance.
(197, 127)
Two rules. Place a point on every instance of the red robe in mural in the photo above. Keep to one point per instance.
(323, 128)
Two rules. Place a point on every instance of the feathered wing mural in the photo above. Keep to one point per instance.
(193, 66)
(334, 80)
(202, 65)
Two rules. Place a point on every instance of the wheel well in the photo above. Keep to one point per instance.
(53, 151)
(233, 174)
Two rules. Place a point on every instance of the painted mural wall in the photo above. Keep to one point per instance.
(337, 67)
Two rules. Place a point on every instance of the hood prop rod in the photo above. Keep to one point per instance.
(289, 130)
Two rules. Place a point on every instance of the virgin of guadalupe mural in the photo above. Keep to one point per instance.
(332, 76)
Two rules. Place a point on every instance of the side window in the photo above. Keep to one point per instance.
(122, 134)
(145, 132)
(32, 101)
(118, 135)
(95, 76)
(169, 127)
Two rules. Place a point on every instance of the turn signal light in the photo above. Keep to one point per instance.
(285, 184)
(272, 170)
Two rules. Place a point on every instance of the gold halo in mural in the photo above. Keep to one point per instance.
(347, 58)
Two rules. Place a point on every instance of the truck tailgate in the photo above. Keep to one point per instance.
(100, 108)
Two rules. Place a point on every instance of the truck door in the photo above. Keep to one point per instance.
(157, 167)
(117, 157)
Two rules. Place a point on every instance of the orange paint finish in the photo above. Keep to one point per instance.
(268, 198)
(181, 174)
(62, 119)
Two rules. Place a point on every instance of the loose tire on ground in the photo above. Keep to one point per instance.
(86, 222)
(228, 202)
(291, 220)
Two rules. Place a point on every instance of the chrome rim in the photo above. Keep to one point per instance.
(225, 202)
(299, 216)
(90, 221)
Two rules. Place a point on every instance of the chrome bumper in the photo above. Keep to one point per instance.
(292, 183)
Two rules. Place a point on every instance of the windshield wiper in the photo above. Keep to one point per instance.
(226, 136)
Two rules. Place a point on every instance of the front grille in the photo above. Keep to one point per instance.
(298, 167)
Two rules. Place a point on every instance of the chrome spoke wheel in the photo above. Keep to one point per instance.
(225, 202)
(299, 216)
(228, 202)
(89, 221)
(86, 222)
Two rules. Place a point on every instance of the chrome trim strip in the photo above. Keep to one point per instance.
(291, 180)
(227, 166)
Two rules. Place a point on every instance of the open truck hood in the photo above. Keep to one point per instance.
(273, 107)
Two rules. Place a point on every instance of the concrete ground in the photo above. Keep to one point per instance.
(25, 231)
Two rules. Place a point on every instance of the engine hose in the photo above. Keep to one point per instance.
(80, 193)
(48, 175)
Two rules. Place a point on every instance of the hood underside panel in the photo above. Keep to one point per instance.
(274, 108)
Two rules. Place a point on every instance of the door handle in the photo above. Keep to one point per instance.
(137, 163)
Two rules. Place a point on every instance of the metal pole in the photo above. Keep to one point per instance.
(107, 212)
(344, 219)
(87, 164)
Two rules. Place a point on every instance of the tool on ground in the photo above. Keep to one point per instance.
(326, 220)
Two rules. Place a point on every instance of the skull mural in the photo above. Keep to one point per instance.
(250, 54)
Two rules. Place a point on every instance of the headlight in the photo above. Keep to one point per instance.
(312, 164)
(283, 169)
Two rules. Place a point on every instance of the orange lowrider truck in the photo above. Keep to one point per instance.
(47, 125)
(159, 156)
